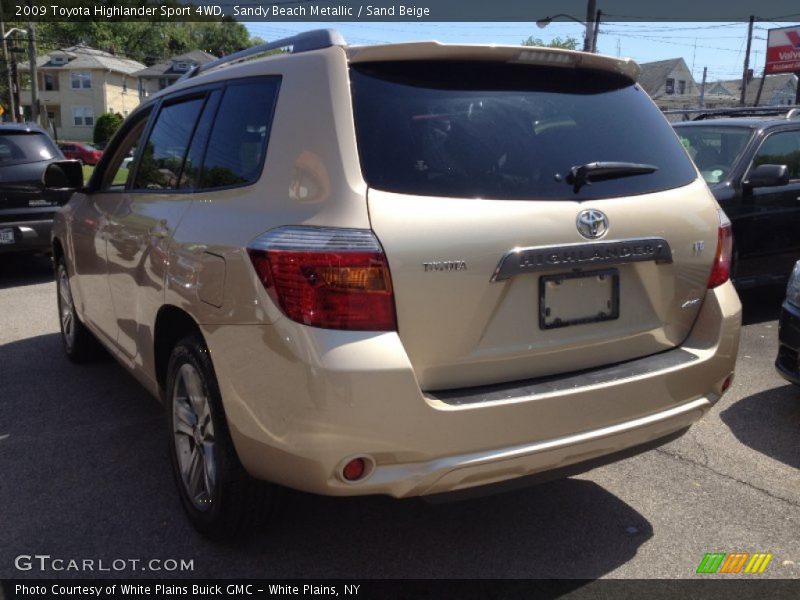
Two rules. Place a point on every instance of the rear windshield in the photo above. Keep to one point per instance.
(20, 148)
(508, 131)
(714, 149)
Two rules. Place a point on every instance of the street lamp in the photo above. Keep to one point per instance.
(592, 27)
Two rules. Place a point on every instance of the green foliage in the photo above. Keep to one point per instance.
(106, 125)
(148, 43)
(568, 43)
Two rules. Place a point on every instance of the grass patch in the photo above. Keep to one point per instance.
(119, 179)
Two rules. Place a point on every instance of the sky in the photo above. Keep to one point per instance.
(718, 46)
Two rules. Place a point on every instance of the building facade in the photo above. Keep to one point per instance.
(160, 75)
(78, 84)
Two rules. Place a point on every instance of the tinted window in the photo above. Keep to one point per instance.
(118, 169)
(161, 160)
(19, 148)
(194, 158)
(714, 149)
(238, 140)
(507, 131)
(781, 149)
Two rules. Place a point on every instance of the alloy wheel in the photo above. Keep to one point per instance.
(67, 309)
(193, 434)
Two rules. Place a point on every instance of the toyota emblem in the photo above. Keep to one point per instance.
(592, 223)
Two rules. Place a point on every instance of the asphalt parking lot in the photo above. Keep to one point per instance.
(84, 474)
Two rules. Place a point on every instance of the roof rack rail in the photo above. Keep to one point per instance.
(701, 114)
(316, 39)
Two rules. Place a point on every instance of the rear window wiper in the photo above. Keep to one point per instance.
(584, 174)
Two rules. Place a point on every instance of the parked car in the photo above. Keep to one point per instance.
(752, 165)
(26, 211)
(85, 153)
(788, 361)
(405, 269)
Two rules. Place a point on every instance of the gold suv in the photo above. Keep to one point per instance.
(403, 269)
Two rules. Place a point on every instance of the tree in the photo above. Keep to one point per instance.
(106, 126)
(568, 43)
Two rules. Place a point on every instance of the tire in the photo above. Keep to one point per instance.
(79, 344)
(221, 500)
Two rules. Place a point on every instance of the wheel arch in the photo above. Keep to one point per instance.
(172, 325)
(58, 250)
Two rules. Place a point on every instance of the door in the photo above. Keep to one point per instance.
(147, 214)
(765, 233)
(90, 230)
(506, 264)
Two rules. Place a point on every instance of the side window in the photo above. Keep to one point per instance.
(116, 174)
(194, 158)
(781, 149)
(238, 141)
(161, 160)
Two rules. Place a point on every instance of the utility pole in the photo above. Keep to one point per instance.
(15, 85)
(703, 89)
(597, 17)
(34, 74)
(760, 88)
(591, 7)
(747, 59)
(12, 108)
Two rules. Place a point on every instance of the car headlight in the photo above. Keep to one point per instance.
(793, 287)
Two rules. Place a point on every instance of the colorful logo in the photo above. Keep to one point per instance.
(736, 562)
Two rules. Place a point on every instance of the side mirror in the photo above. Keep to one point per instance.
(767, 176)
(63, 176)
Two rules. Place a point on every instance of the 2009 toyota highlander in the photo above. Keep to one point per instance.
(403, 269)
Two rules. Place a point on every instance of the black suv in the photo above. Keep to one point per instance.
(26, 211)
(751, 161)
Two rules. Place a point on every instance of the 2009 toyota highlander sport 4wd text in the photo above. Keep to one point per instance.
(404, 269)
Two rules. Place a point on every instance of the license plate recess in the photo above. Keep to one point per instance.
(578, 298)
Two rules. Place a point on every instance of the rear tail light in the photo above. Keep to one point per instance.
(326, 277)
(721, 270)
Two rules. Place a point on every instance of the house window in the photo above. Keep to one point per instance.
(162, 83)
(83, 116)
(681, 86)
(182, 66)
(670, 86)
(50, 82)
(124, 84)
(81, 80)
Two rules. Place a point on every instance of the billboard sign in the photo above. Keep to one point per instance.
(783, 50)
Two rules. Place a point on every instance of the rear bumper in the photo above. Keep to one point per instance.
(788, 361)
(29, 236)
(301, 402)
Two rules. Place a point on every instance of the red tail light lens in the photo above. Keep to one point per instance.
(721, 270)
(326, 277)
